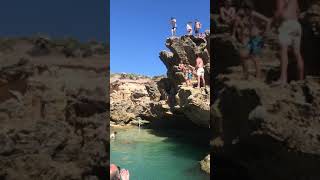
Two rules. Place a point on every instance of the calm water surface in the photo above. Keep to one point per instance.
(151, 157)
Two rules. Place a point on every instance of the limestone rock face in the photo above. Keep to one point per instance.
(133, 99)
(271, 129)
(205, 164)
(184, 50)
(165, 97)
(194, 103)
(52, 115)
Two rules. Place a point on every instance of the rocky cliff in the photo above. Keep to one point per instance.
(141, 99)
(138, 100)
(195, 103)
(53, 108)
(264, 131)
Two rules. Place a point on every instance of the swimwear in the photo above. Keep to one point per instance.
(290, 33)
(200, 71)
(255, 44)
(190, 76)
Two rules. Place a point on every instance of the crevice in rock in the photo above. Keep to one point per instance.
(86, 107)
(307, 94)
(235, 107)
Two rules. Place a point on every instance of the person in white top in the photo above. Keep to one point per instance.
(174, 26)
(189, 28)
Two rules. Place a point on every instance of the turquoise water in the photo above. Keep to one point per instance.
(151, 157)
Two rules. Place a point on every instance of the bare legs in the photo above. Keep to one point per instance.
(257, 66)
(199, 77)
(246, 69)
(300, 63)
(284, 64)
(199, 80)
(244, 55)
(204, 82)
(173, 32)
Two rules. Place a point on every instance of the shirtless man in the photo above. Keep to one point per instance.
(227, 12)
(200, 71)
(174, 26)
(290, 33)
(197, 27)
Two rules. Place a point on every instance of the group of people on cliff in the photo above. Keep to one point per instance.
(188, 72)
(251, 29)
(196, 28)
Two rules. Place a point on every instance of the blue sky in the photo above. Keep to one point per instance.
(81, 19)
(139, 29)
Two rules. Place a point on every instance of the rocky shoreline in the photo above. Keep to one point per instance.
(53, 109)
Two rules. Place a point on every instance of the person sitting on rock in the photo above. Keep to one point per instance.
(117, 174)
(189, 28)
(174, 26)
(113, 135)
(200, 71)
(227, 13)
(197, 27)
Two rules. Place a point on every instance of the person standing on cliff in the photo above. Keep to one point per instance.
(189, 28)
(174, 26)
(290, 32)
(200, 71)
(197, 27)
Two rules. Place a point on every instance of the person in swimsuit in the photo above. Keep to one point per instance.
(255, 45)
(113, 135)
(189, 76)
(197, 27)
(174, 26)
(250, 40)
(189, 28)
(184, 70)
(290, 33)
(200, 71)
(241, 33)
